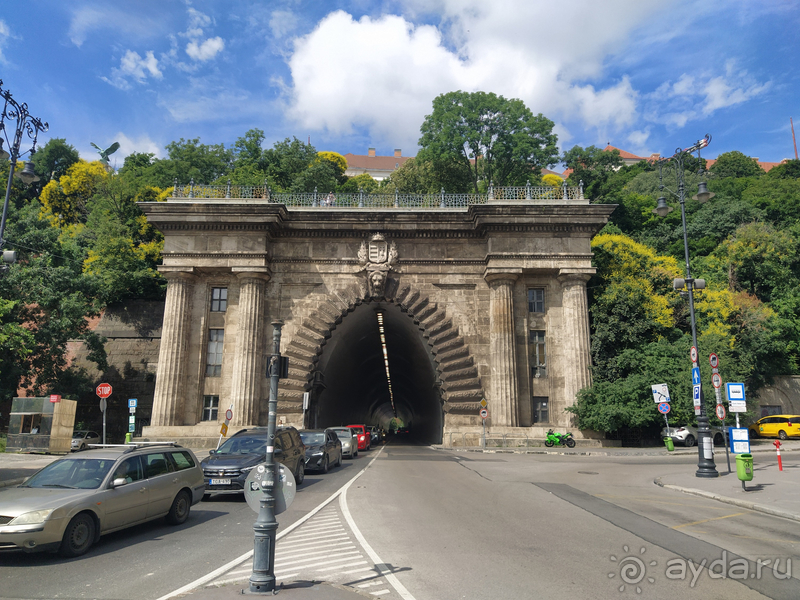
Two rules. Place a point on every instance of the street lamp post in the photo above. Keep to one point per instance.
(262, 580)
(26, 124)
(705, 458)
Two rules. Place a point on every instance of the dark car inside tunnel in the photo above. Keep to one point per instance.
(356, 387)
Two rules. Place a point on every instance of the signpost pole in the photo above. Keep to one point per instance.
(262, 580)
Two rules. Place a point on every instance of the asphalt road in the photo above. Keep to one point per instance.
(447, 525)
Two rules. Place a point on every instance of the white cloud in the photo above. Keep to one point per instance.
(5, 35)
(133, 66)
(698, 96)
(282, 22)
(381, 74)
(205, 50)
(86, 19)
(128, 146)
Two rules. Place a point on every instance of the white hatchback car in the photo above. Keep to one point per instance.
(687, 435)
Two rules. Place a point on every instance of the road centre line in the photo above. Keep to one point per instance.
(707, 520)
(237, 561)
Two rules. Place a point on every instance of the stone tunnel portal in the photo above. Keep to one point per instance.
(354, 373)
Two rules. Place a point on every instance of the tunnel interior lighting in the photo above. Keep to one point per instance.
(382, 334)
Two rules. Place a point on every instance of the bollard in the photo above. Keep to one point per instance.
(777, 444)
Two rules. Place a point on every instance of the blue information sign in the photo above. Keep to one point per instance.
(739, 439)
(132, 403)
(696, 375)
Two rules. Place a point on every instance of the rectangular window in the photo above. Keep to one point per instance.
(210, 408)
(536, 300)
(219, 299)
(214, 360)
(537, 354)
(540, 412)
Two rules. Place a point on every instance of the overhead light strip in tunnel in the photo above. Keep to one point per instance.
(386, 359)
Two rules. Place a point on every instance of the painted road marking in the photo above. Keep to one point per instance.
(707, 520)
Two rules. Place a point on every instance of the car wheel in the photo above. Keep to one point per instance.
(689, 441)
(324, 464)
(753, 434)
(339, 462)
(78, 536)
(719, 439)
(83, 446)
(179, 511)
(301, 473)
(782, 435)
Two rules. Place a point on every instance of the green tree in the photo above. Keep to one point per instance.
(488, 137)
(592, 166)
(66, 200)
(787, 170)
(736, 164)
(52, 160)
(286, 160)
(364, 182)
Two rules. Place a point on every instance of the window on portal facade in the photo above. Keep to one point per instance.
(537, 353)
(214, 356)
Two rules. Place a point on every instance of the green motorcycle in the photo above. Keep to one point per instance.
(560, 439)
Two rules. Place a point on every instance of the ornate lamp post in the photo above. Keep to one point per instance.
(25, 124)
(705, 460)
(262, 580)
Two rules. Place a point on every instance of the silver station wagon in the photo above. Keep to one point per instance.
(71, 502)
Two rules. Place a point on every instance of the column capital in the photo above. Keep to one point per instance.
(500, 275)
(262, 273)
(575, 276)
(187, 274)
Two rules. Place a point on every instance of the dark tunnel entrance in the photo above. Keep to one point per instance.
(354, 373)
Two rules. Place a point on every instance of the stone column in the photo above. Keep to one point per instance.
(248, 358)
(504, 402)
(174, 350)
(577, 351)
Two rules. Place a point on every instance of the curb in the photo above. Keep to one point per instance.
(775, 512)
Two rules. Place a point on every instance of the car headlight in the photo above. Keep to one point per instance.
(31, 518)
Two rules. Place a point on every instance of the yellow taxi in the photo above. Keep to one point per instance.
(779, 426)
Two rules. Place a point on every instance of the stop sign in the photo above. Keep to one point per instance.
(104, 390)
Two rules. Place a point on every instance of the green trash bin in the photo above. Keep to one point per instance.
(669, 444)
(744, 467)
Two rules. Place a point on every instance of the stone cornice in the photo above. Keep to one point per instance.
(263, 255)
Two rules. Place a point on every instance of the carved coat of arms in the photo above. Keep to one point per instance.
(377, 258)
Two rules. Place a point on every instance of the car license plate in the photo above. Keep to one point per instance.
(220, 482)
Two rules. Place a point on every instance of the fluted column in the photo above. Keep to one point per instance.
(504, 402)
(577, 375)
(248, 362)
(174, 351)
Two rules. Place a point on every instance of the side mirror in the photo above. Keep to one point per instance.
(210, 452)
(119, 481)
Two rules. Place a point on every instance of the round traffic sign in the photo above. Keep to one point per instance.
(484, 413)
(693, 353)
(720, 412)
(228, 414)
(713, 360)
(716, 380)
(663, 408)
(104, 390)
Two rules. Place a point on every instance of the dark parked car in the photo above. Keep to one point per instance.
(71, 502)
(323, 449)
(226, 468)
(375, 434)
(349, 439)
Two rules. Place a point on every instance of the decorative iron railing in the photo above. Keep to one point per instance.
(361, 199)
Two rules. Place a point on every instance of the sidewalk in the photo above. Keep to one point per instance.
(771, 491)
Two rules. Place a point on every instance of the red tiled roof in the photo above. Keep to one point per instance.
(378, 163)
(623, 153)
(764, 165)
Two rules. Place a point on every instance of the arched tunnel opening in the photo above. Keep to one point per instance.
(356, 388)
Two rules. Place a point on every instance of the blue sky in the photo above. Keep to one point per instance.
(645, 76)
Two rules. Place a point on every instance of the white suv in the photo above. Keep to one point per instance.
(687, 435)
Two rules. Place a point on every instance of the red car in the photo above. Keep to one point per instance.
(364, 441)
